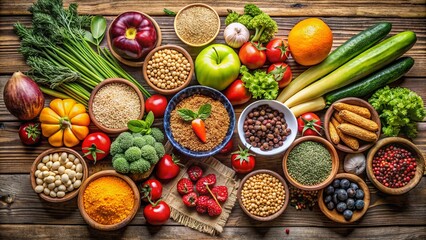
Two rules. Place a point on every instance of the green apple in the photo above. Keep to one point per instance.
(217, 66)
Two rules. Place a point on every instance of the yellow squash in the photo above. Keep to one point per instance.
(64, 122)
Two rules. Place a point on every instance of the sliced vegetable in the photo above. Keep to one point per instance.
(317, 104)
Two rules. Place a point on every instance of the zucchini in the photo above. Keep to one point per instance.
(362, 65)
(315, 105)
(348, 50)
(368, 85)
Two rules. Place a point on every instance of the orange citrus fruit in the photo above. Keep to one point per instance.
(310, 41)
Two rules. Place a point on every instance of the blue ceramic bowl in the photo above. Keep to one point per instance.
(206, 91)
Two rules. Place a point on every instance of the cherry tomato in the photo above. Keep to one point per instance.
(96, 146)
(157, 213)
(242, 161)
(309, 124)
(228, 147)
(282, 73)
(252, 55)
(167, 167)
(30, 133)
(157, 104)
(151, 189)
(277, 50)
(237, 94)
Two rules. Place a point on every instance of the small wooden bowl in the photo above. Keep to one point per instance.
(93, 94)
(409, 146)
(68, 196)
(338, 217)
(286, 199)
(334, 163)
(174, 90)
(130, 62)
(208, 40)
(354, 101)
(92, 223)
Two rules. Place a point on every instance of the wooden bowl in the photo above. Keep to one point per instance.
(363, 146)
(334, 163)
(131, 62)
(208, 40)
(286, 199)
(93, 94)
(92, 223)
(68, 196)
(409, 146)
(338, 217)
(174, 90)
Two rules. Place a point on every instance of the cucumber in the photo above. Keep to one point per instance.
(357, 68)
(348, 50)
(368, 85)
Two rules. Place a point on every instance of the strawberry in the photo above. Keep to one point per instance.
(195, 172)
(202, 204)
(201, 184)
(185, 186)
(190, 199)
(221, 193)
(213, 208)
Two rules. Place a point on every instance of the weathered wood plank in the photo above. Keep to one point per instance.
(343, 29)
(399, 8)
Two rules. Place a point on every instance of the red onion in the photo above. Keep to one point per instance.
(23, 97)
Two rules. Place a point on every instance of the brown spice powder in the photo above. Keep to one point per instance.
(217, 124)
(196, 24)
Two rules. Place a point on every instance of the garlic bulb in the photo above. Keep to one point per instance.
(354, 163)
(236, 34)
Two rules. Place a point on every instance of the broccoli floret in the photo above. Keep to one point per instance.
(264, 25)
(150, 140)
(136, 135)
(232, 17)
(139, 142)
(149, 153)
(252, 10)
(246, 21)
(159, 149)
(115, 148)
(121, 165)
(125, 140)
(157, 134)
(139, 166)
(118, 155)
(132, 154)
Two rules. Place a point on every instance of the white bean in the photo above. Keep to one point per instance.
(39, 189)
(58, 182)
(52, 174)
(79, 168)
(58, 177)
(68, 183)
(76, 161)
(79, 176)
(71, 157)
(70, 188)
(69, 165)
(55, 157)
(45, 185)
(44, 168)
(61, 170)
(46, 191)
(67, 171)
(39, 181)
(49, 179)
(51, 186)
(62, 188)
(40, 165)
(60, 194)
(71, 174)
(46, 173)
(65, 178)
(45, 159)
(52, 194)
(77, 184)
(40, 175)
(56, 165)
(37, 172)
(73, 167)
(49, 165)
(64, 156)
(73, 180)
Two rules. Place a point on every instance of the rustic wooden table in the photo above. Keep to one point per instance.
(388, 217)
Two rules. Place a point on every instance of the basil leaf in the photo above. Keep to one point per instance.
(98, 27)
(149, 119)
(169, 12)
(88, 37)
(186, 114)
(204, 111)
(136, 126)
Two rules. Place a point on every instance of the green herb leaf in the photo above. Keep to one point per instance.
(149, 119)
(187, 115)
(88, 37)
(98, 27)
(278, 72)
(136, 126)
(169, 12)
(204, 111)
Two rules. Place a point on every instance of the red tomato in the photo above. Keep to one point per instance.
(277, 50)
(30, 133)
(242, 161)
(157, 213)
(157, 104)
(252, 55)
(228, 147)
(151, 189)
(96, 146)
(282, 73)
(309, 124)
(167, 167)
(237, 93)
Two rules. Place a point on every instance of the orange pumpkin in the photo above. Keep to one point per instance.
(64, 122)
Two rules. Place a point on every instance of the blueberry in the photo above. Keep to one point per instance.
(327, 199)
(354, 186)
(351, 192)
(336, 183)
(359, 204)
(335, 200)
(329, 190)
(359, 194)
(344, 183)
(342, 195)
(350, 203)
(347, 214)
(341, 206)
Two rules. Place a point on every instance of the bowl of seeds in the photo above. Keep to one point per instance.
(310, 163)
(168, 69)
(263, 195)
(113, 103)
(197, 24)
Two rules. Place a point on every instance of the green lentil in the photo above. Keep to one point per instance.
(309, 163)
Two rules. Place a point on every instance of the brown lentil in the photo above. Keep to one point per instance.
(115, 104)
(217, 124)
(197, 24)
(265, 128)
(263, 195)
(168, 69)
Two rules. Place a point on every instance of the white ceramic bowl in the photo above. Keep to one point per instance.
(289, 118)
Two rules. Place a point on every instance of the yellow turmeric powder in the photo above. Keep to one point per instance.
(108, 200)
